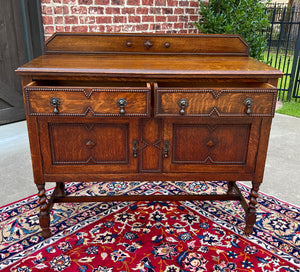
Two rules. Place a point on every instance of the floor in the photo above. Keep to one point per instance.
(281, 179)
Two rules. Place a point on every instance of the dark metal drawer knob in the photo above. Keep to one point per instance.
(183, 103)
(122, 102)
(248, 104)
(135, 148)
(166, 149)
(55, 102)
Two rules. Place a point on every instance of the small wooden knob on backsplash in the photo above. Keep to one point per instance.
(129, 44)
(167, 45)
(148, 44)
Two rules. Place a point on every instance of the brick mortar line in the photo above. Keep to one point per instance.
(127, 25)
(124, 24)
(93, 2)
(116, 15)
(121, 24)
(123, 7)
(53, 5)
(112, 15)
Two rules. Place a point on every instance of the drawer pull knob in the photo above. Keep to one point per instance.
(54, 102)
(166, 149)
(248, 104)
(183, 103)
(134, 148)
(122, 102)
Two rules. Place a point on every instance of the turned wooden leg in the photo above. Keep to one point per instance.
(250, 216)
(60, 188)
(230, 188)
(44, 216)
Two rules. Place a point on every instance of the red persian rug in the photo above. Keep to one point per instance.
(145, 236)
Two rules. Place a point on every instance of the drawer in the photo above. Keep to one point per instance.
(96, 99)
(256, 100)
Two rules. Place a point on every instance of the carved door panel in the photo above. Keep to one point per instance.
(210, 146)
(89, 147)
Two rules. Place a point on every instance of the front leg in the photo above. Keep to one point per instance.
(250, 216)
(44, 216)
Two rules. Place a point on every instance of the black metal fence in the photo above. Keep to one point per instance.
(283, 38)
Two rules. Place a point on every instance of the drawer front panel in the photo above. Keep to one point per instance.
(88, 101)
(88, 147)
(203, 102)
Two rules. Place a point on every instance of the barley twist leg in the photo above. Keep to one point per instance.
(44, 217)
(250, 217)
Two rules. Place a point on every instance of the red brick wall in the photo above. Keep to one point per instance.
(159, 16)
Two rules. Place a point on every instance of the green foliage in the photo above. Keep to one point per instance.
(245, 17)
(290, 108)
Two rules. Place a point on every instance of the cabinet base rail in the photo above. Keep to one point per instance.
(58, 196)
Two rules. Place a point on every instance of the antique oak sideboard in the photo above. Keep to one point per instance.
(147, 107)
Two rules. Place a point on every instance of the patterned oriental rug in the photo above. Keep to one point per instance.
(145, 236)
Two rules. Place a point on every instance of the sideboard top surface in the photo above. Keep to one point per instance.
(153, 55)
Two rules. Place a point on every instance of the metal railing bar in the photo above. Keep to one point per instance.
(280, 35)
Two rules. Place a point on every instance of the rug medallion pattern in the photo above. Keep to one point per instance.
(150, 236)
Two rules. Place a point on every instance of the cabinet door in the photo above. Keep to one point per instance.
(88, 146)
(211, 146)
